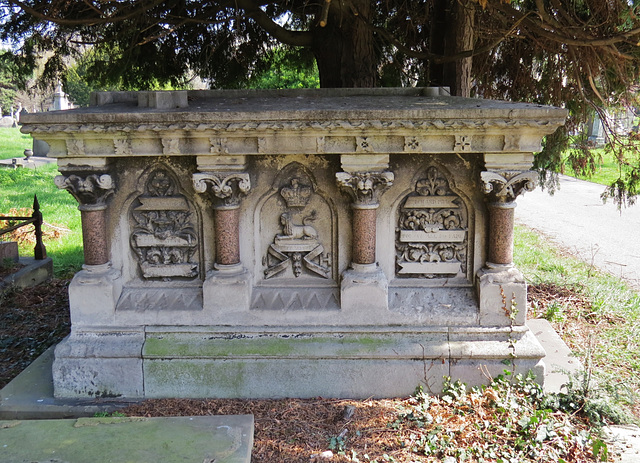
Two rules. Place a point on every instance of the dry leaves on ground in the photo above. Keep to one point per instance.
(31, 320)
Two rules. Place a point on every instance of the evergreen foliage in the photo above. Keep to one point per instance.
(582, 54)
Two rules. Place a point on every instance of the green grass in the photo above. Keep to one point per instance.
(608, 335)
(607, 169)
(13, 143)
(59, 210)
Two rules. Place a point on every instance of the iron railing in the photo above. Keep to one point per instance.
(39, 252)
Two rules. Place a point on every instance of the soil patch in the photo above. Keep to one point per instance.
(31, 320)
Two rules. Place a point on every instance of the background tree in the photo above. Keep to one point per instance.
(8, 87)
(580, 53)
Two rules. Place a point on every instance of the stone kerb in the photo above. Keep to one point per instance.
(247, 243)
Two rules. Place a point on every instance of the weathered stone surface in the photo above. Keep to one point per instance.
(248, 223)
(9, 250)
(196, 439)
(99, 364)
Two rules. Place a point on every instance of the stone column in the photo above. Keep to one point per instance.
(227, 286)
(97, 282)
(365, 178)
(501, 287)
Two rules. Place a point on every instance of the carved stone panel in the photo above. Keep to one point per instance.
(297, 229)
(163, 223)
(432, 230)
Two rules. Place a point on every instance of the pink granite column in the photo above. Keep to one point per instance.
(227, 190)
(94, 237)
(226, 227)
(365, 189)
(364, 235)
(501, 220)
(92, 191)
(502, 188)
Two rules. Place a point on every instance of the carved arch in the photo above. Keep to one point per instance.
(433, 227)
(164, 228)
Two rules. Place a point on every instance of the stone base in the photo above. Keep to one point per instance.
(99, 365)
(278, 363)
(99, 284)
(502, 296)
(364, 287)
(227, 289)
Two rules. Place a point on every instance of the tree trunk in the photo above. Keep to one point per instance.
(452, 33)
(344, 48)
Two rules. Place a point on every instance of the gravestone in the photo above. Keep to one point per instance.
(331, 242)
(60, 101)
(7, 121)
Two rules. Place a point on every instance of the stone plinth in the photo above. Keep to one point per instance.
(293, 243)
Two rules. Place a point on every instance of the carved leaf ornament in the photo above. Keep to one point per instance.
(507, 186)
(227, 188)
(432, 230)
(163, 237)
(91, 191)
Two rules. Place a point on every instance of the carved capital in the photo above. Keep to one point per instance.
(365, 187)
(506, 186)
(226, 189)
(91, 191)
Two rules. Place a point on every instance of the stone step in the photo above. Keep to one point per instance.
(198, 439)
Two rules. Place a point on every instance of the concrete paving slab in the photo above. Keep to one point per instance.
(32, 163)
(197, 439)
(625, 442)
(576, 218)
(559, 360)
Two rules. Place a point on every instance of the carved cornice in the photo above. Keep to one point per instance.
(365, 187)
(506, 186)
(442, 124)
(92, 191)
(226, 189)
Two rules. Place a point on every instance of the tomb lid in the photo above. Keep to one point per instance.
(299, 104)
(209, 123)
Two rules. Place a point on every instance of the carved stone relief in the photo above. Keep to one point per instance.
(505, 187)
(90, 190)
(170, 146)
(411, 144)
(75, 147)
(163, 235)
(301, 242)
(122, 146)
(432, 230)
(462, 143)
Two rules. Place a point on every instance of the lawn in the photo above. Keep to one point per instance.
(596, 314)
(13, 142)
(607, 168)
(62, 228)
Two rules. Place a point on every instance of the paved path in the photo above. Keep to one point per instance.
(575, 218)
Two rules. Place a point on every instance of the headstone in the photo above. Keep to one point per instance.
(9, 250)
(7, 121)
(595, 133)
(40, 148)
(331, 242)
(60, 100)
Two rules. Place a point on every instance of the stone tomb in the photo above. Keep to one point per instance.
(336, 243)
